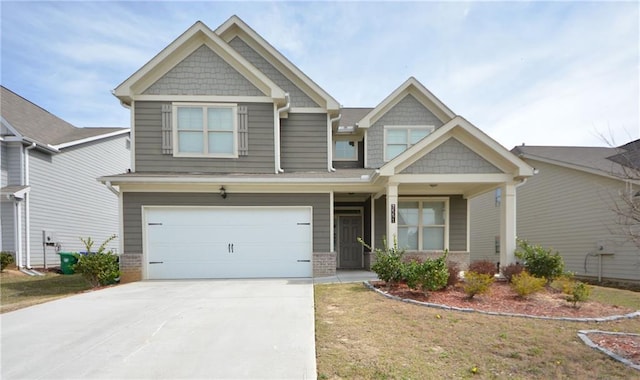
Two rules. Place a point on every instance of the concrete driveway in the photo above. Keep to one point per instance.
(204, 329)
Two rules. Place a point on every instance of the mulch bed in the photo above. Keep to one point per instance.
(548, 303)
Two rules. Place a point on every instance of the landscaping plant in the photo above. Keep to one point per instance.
(388, 265)
(579, 293)
(483, 266)
(100, 268)
(511, 270)
(6, 258)
(539, 261)
(454, 273)
(428, 274)
(477, 283)
(525, 284)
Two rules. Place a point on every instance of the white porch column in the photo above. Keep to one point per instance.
(508, 225)
(392, 213)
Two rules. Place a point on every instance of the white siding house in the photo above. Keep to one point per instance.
(569, 206)
(49, 182)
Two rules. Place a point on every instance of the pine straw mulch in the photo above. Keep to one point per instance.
(548, 303)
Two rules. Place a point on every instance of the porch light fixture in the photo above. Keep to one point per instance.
(223, 192)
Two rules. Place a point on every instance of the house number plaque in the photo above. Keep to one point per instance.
(393, 213)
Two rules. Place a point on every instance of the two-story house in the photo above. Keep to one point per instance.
(244, 167)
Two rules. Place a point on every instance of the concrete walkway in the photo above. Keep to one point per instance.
(346, 276)
(207, 329)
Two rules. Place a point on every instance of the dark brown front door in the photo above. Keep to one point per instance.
(350, 251)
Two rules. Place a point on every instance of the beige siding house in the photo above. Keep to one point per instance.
(568, 206)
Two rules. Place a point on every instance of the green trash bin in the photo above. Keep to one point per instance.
(67, 261)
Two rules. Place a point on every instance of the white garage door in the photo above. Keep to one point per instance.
(227, 242)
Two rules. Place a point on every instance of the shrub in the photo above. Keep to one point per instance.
(579, 293)
(564, 283)
(99, 268)
(477, 283)
(483, 267)
(6, 258)
(388, 265)
(454, 273)
(428, 274)
(525, 284)
(539, 261)
(511, 270)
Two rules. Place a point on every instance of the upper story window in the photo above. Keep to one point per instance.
(345, 150)
(423, 225)
(398, 138)
(209, 130)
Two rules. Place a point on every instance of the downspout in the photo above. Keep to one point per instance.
(276, 136)
(330, 167)
(27, 218)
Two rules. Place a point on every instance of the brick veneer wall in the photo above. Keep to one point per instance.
(324, 264)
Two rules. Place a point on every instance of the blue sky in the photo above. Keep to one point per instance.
(542, 73)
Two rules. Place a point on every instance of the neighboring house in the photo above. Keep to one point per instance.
(569, 206)
(50, 193)
(245, 167)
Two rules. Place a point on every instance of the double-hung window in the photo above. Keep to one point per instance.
(398, 138)
(423, 225)
(209, 130)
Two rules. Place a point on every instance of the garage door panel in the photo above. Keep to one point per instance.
(228, 242)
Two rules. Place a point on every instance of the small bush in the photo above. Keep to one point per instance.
(564, 283)
(477, 283)
(539, 261)
(100, 268)
(6, 258)
(428, 274)
(388, 265)
(483, 267)
(579, 293)
(525, 284)
(454, 273)
(511, 270)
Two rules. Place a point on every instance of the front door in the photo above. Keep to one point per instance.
(350, 251)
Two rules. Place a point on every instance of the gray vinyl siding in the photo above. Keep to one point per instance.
(569, 211)
(298, 97)
(203, 72)
(303, 142)
(457, 222)
(14, 164)
(451, 157)
(148, 144)
(408, 111)
(67, 198)
(380, 222)
(4, 165)
(133, 202)
(484, 220)
(7, 211)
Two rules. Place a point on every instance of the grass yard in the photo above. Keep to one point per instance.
(18, 290)
(362, 335)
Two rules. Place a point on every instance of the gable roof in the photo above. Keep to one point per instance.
(193, 38)
(34, 124)
(235, 27)
(352, 115)
(469, 135)
(605, 161)
(410, 87)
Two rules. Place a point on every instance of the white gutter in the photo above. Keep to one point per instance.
(330, 167)
(27, 218)
(276, 133)
(110, 187)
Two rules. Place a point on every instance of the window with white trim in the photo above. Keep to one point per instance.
(345, 150)
(423, 225)
(209, 130)
(399, 138)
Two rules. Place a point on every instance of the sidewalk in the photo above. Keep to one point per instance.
(346, 276)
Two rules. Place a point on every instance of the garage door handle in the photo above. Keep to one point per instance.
(156, 262)
(230, 248)
(304, 261)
